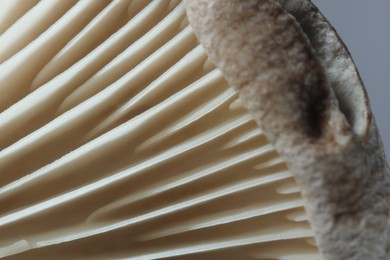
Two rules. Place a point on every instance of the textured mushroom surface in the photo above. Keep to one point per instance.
(299, 82)
(119, 139)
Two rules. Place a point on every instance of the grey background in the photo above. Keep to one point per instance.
(364, 25)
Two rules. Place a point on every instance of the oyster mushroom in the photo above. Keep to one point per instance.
(120, 139)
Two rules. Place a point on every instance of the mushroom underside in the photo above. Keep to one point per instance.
(120, 139)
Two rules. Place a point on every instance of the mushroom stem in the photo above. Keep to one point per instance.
(317, 118)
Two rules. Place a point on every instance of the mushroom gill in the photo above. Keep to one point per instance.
(119, 139)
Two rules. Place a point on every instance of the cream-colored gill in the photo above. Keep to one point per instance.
(120, 140)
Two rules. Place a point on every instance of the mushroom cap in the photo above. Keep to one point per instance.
(301, 86)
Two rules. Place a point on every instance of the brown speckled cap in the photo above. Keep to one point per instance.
(299, 82)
